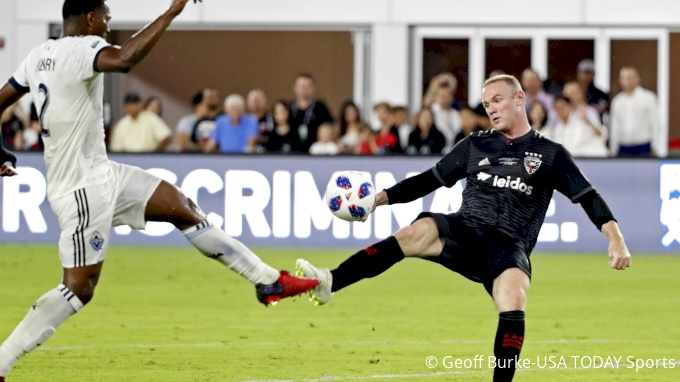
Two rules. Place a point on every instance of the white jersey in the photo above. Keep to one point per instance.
(69, 95)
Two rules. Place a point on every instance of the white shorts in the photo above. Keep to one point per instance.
(87, 216)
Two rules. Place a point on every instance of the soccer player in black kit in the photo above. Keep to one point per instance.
(511, 173)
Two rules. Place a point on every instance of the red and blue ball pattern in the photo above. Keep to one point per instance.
(335, 203)
(343, 182)
(364, 190)
(357, 212)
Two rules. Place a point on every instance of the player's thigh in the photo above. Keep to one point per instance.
(144, 197)
(85, 217)
(169, 204)
(420, 239)
(510, 290)
(134, 189)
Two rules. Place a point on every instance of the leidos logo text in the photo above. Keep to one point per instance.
(516, 184)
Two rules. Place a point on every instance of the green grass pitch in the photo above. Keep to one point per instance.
(172, 315)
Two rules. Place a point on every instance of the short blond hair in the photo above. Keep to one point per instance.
(512, 81)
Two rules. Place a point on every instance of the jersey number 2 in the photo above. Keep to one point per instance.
(43, 89)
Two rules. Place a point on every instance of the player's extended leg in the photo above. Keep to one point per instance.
(169, 204)
(509, 293)
(420, 239)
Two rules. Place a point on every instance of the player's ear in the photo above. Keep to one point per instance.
(90, 20)
(520, 97)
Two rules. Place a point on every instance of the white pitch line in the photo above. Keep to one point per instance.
(323, 343)
(416, 375)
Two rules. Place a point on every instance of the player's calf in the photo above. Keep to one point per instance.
(42, 320)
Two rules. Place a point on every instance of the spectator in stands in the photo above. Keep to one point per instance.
(578, 101)
(387, 136)
(139, 130)
(444, 80)
(154, 105)
(12, 129)
(483, 120)
(576, 134)
(235, 132)
(307, 111)
(383, 112)
(533, 88)
(469, 120)
(404, 129)
(186, 124)
(256, 103)
(446, 118)
(538, 116)
(635, 125)
(367, 144)
(496, 72)
(425, 138)
(282, 138)
(350, 125)
(324, 144)
(202, 130)
(585, 76)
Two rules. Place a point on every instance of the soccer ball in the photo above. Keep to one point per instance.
(350, 195)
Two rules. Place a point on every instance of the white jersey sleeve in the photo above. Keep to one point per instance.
(20, 79)
(86, 52)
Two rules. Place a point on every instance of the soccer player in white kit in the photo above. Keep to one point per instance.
(91, 194)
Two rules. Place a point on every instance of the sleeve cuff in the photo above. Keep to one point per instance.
(96, 57)
(16, 85)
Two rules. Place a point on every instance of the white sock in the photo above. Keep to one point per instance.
(216, 244)
(42, 320)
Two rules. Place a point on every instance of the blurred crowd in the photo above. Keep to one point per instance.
(577, 115)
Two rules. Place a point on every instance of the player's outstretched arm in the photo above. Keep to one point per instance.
(618, 252)
(132, 52)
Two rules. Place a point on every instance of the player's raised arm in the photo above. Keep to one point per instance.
(132, 52)
(573, 184)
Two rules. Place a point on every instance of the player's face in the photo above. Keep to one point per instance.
(100, 21)
(502, 104)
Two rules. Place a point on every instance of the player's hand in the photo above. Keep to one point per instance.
(619, 255)
(380, 199)
(5, 170)
(6, 156)
(178, 6)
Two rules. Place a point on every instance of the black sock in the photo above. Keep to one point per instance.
(366, 263)
(509, 340)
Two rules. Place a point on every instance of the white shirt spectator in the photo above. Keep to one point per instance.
(186, 124)
(321, 148)
(449, 123)
(634, 120)
(142, 134)
(579, 138)
(405, 131)
(350, 140)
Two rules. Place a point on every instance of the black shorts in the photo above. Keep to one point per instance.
(479, 253)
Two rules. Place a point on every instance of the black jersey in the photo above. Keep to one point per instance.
(510, 181)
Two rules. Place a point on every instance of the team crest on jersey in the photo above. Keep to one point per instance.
(532, 162)
(97, 241)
